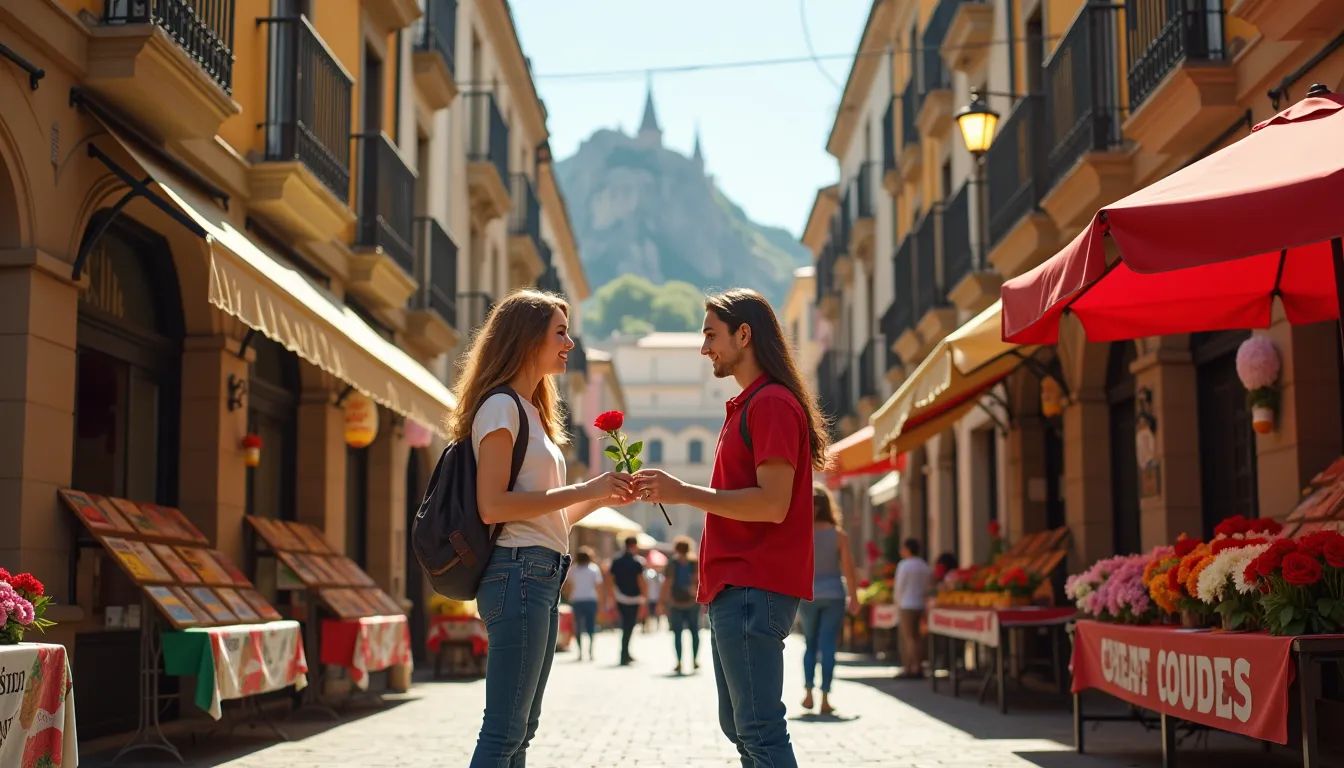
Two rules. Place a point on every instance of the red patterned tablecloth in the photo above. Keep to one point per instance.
(236, 661)
(981, 625)
(366, 645)
(37, 706)
(464, 628)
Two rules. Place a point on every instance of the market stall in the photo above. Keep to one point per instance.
(36, 706)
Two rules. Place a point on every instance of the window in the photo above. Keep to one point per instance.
(372, 84)
(696, 452)
(655, 454)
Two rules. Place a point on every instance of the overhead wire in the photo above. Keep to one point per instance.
(811, 51)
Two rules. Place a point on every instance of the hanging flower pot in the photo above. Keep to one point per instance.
(417, 435)
(361, 420)
(1258, 366)
(251, 449)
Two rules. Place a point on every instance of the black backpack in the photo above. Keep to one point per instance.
(451, 542)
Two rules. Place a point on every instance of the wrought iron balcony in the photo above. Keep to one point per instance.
(928, 292)
(436, 255)
(936, 75)
(828, 389)
(525, 215)
(909, 114)
(859, 195)
(308, 104)
(1015, 167)
(581, 449)
(203, 29)
(958, 258)
(823, 275)
(1082, 90)
(868, 361)
(578, 357)
(549, 281)
(900, 316)
(1161, 34)
(437, 30)
(476, 307)
(844, 385)
(386, 203)
(889, 136)
(488, 139)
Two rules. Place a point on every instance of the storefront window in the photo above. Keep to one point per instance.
(1227, 459)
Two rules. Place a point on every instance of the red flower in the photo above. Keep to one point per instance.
(1314, 543)
(939, 571)
(609, 421)
(1268, 562)
(4, 575)
(1186, 546)
(26, 582)
(1300, 569)
(994, 529)
(1266, 526)
(251, 440)
(1231, 525)
(1174, 579)
(1334, 553)
(1223, 544)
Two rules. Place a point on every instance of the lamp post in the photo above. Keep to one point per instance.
(977, 123)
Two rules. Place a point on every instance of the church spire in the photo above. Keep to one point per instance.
(697, 156)
(649, 132)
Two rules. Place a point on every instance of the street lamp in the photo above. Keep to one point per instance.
(977, 123)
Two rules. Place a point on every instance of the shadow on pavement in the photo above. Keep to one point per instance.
(809, 717)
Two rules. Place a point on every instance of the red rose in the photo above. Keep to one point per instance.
(1268, 562)
(26, 582)
(994, 529)
(609, 421)
(1334, 553)
(1231, 525)
(1266, 526)
(1186, 546)
(1300, 569)
(939, 571)
(1314, 543)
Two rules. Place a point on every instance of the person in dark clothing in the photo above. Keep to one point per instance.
(626, 589)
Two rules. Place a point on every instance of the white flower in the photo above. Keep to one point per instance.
(1213, 579)
(1246, 555)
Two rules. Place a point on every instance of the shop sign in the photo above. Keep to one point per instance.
(361, 420)
(976, 626)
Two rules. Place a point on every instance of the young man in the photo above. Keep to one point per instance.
(756, 549)
(912, 589)
(626, 589)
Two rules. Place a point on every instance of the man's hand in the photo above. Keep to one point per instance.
(656, 486)
(852, 605)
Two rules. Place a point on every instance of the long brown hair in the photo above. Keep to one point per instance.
(824, 509)
(743, 305)
(506, 342)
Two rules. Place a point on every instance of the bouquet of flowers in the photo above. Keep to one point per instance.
(1114, 590)
(997, 544)
(22, 605)
(625, 455)
(1301, 583)
(1017, 582)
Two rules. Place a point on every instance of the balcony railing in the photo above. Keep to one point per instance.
(936, 75)
(823, 278)
(582, 447)
(203, 29)
(909, 111)
(859, 196)
(544, 251)
(900, 316)
(437, 30)
(436, 254)
(488, 139)
(828, 390)
(868, 361)
(525, 215)
(889, 136)
(549, 281)
(386, 203)
(578, 357)
(928, 293)
(1160, 34)
(958, 258)
(844, 385)
(1015, 167)
(308, 104)
(476, 307)
(1082, 90)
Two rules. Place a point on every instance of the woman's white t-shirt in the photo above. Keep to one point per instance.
(543, 469)
(584, 581)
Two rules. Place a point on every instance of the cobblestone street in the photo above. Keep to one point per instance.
(598, 714)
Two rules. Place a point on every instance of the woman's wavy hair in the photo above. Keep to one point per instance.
(824, 508)
(743, 305)
(504, 345)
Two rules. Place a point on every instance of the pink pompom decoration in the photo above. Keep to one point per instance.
(1258, 362)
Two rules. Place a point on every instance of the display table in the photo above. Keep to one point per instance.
(990, 628)
(1233, 681)
(462, 633)
(236, 661)
(367, 645)
(37, 706)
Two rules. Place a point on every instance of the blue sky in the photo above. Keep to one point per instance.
(763, 128)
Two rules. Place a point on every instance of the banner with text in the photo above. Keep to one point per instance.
(37, 707)
(974, 624)
(1236, 682)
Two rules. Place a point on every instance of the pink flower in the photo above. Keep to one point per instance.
(1258, 362)
(23, 612)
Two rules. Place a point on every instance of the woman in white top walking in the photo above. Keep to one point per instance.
(584, 580)
(524, 343)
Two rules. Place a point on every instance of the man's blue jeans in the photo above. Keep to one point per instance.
(519, 599)
(821, 625)
(747, 630)
(689, 620)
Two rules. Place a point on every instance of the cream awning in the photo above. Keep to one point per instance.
(608, 519)
(885, 490)
(282, 304)
(948, 384)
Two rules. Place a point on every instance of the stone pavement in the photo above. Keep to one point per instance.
(599, 714)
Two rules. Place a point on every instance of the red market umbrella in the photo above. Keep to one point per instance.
(1209, 247)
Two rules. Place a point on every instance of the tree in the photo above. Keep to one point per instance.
(633, 304)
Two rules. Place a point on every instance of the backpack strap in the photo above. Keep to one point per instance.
(742, 422)
(519, 443)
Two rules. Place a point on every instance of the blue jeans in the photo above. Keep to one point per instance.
(519, 599)
(747, 629)
(585, 622)
(688, 619)
(821, 626)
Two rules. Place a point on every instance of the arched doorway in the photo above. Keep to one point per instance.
(128, 361)
(1227, 460)
(1125, 527)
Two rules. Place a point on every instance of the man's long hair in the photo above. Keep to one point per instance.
(506, 343)
(743, 305)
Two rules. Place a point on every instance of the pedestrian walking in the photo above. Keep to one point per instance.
(585, 579)
(833, 593)
(913, 577)
(524, 343)
(756, 549)
(627, 591)
(681, 579)
(653, 589)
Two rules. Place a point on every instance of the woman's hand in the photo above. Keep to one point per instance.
(657, 486)
(852, 605)
(611, 488)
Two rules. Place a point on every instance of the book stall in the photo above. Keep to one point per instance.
(995, 607)
(366, 630)
(1230, 634)
(219, 629)
(37, 703)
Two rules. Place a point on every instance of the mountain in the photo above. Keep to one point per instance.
(639, 208)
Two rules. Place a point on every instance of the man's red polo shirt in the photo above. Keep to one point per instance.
(771, 556)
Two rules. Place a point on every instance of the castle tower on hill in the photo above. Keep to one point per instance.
(649, 132)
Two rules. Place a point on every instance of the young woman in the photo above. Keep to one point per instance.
(585, 583)
(524, 344)
(833, 590)
(681, 582)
